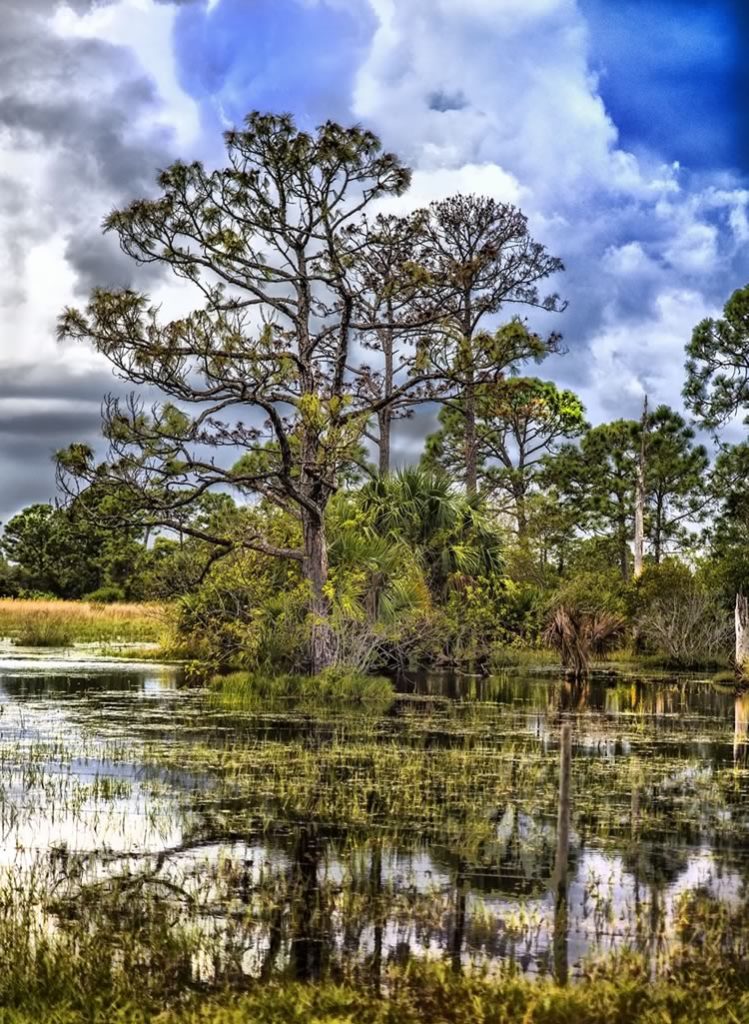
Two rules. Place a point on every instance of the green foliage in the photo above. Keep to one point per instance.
(717, 384)
(592, 591)
(489, 614)
(598, 479)
(415, 575)
(106, 595)
(728, 533)
(680, 616)
(593, 484)
(519, 420)
(9, 585)
(676, 479)
(453, 535)
(67, 552)
(250, 611)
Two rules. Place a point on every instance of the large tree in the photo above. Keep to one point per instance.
(483, 258)
(728, 530)
(33, 542)
(269, 366)
(598, 478)
(597, 481)
(676, 478)
(717, 384)
(65, 552)
(518, 422)
(396, 302)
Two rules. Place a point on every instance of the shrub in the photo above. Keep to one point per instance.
(677, 616)
(106, 595)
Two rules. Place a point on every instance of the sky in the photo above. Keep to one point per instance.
(618, 126)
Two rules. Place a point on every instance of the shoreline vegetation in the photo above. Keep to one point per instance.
(132, 631)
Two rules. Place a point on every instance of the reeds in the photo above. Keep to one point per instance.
(62, 623)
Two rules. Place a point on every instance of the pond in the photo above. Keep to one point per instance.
(305, 839)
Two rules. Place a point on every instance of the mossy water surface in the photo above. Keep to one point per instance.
(174, 838)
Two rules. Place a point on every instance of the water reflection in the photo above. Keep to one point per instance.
(741, 729)
(306, 840)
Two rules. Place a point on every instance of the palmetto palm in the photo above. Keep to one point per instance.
(448, 531)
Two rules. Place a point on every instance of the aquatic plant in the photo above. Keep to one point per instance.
(242, 688)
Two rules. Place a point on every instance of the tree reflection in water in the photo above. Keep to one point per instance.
(321, 840)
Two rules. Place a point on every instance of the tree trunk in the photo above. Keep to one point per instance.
(623, 552)
(470, 438)
(322, 646)
(469, 398)
(385, 416)
(640, 499)
(639, 524)
(384, 419)
(521, 517)
(742, 635)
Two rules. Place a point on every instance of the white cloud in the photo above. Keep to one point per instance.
(629, 260)
(629, 360)
(485, 179)
(145, 28)
(694, 249)
(498, 96)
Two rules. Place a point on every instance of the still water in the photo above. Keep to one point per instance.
(308, 839)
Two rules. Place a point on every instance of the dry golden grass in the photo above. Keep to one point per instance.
(59, 623)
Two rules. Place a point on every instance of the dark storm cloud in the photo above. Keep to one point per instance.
(42, 409)
(17, 493)
(75, 103)
(409, 433)
(37, 381)
(99, 262)
(31, 440)
(82, 112)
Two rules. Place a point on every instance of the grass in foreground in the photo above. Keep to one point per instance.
(422, 993)
(62, 623)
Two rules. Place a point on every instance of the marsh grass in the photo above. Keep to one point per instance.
(62, 623)
(246, 690)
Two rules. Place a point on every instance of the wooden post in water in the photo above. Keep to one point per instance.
(742, 635)
(563, 815)
(561, 967)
